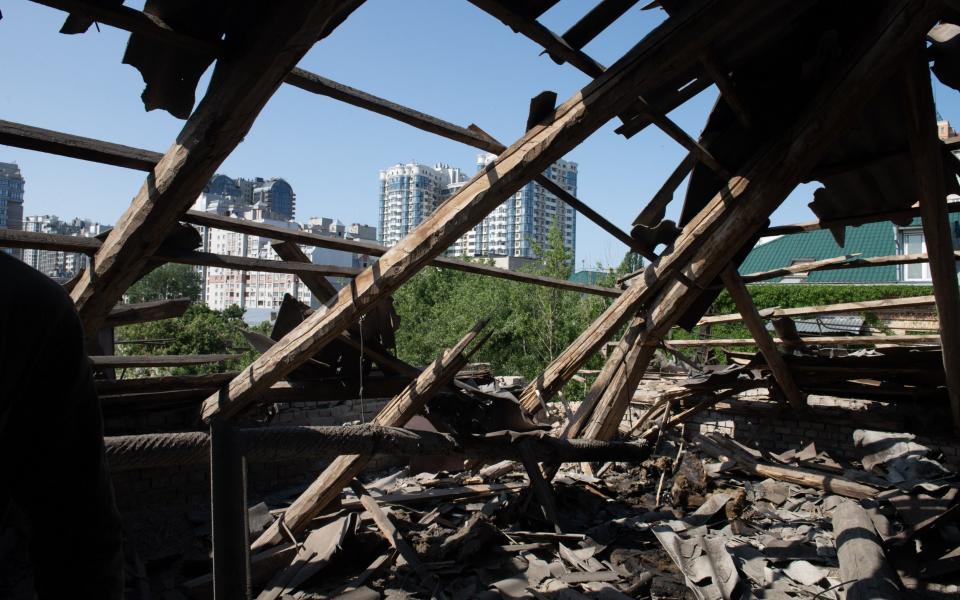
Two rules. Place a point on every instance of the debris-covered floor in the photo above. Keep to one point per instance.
(705, 517)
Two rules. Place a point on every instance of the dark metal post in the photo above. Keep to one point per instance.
(228, 508)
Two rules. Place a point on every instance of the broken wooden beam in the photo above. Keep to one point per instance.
(395, 414)
(645, 65)
(892, 215)
(374, 249)
(247, 263)
(145, 312)
(595, 21)
(828, 309)
(843, 262)
(722, 449)
(393, 537)
(75, 146)
(840, 340)
(751, 317)
(242, 83)
(159, 360)
(925, 152)
(864, 570)
(539, 484)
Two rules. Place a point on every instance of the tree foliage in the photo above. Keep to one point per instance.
(165, 283)
(200, 330)
(530, 324)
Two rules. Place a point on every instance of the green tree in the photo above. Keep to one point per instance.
(166, 282)
(200, 330)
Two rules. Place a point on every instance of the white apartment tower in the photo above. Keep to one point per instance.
(222, 288)
(409, 193)
(524, 219)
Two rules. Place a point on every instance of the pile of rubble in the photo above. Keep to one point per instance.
(706, 518)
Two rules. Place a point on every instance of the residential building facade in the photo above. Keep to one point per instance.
(523, 222)
(57, 264)
(11, 200)
(224, 195)
(256, 291)
(409, 193)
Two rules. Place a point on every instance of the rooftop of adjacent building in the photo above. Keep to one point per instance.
(10, 169)
(871, 239)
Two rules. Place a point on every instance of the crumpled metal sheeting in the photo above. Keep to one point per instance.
(171, 73)
(705, 563)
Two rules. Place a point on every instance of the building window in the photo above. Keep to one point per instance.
(912, 242)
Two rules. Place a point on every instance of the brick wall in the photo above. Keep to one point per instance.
(188, 487)
(832, 427)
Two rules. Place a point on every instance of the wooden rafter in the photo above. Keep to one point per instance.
(893, 215)
(560, 50)
(751, 317)
(921, 121)
(647, 64)
(828, 309)
(240, 87)
(841, 263)
(151, 26)
(738, 211)
(839, 340)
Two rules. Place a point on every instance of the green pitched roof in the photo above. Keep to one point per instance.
(872, 239)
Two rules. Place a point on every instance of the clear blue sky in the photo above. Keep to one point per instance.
(446, 58)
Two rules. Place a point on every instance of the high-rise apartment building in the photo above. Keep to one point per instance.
(409, 193)
(57, 264)
(221, 288)
(11, 200)
(525, 219)
(273, 197)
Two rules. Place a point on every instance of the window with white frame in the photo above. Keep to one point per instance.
(912, 242)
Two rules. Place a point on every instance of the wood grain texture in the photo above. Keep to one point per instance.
(741, 209)
(828, 309)
(754, 322)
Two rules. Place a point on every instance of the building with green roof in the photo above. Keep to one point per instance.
(871, 239)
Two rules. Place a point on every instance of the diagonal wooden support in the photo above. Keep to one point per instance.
(395, 414)
(928, 172)
(541, 487)
(241, 85)
(898, 30)
(739, 211)
(560, 50)
(669, 47)
(751, 318)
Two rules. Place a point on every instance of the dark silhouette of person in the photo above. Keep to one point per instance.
(60, 533)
